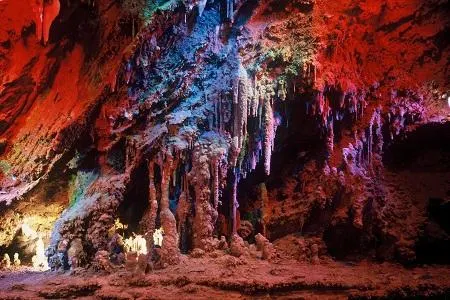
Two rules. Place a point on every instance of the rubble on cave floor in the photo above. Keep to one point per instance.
(217, 278)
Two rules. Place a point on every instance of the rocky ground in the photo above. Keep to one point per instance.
(224, 276)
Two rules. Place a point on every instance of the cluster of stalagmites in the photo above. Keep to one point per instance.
(198, 162)
(117, 255)
(7, 264)
(199, 148)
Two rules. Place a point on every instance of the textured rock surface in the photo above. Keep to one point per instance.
(208, 277)
(226, 118)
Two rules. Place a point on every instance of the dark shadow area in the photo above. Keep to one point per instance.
(78, 21)
(434, 246)
(299, 139)
(425, 149)
(135, 201)
(425, 154)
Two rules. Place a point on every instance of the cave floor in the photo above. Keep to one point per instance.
(232, 278)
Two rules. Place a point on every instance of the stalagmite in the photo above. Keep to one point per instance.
(183, 210)
(137, 244)
(265, 216)
(170, 250)
(211, 147)
(200, 178)
(16, 261)
(39, 260)
(158, 237)
(153, 209)
(6, 261)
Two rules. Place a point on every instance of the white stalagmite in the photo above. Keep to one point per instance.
(40, 259)
(158, 237)
(136, 244)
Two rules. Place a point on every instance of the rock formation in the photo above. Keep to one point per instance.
(220, 118)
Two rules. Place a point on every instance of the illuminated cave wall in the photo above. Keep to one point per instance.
(212, 118)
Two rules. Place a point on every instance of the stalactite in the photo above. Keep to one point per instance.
(201, 6)
(45, 13)
(355, 106)
(282, 91)
(268, 134)
(315, 73)
(255, 99)
(216, 39)
(360, 147)
(128, 72)
(230, 9)
(216, 113)
(330, 138)
(370, 142)
(216, 179)
(220, 114)
(130, 151)
(243, 94)
(234, 202)
(379, 147)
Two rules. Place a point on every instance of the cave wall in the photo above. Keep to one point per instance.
(210, 99)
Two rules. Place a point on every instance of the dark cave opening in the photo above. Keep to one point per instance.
(116, 156)
(136, 200)
(425, 153)
(343, 241)
(427, 148)
(77, 21)
(433, 246)
(298, 140)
